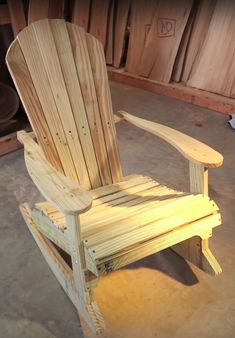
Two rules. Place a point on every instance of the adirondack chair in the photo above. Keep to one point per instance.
(102, 219)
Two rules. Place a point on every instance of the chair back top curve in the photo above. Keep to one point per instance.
(60, 73)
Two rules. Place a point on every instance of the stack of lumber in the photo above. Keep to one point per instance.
(214, 68)
(185, 41)
(107, 21)
(160, 42)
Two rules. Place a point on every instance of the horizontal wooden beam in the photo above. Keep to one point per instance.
(178, 91)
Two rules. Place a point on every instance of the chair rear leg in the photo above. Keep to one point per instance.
(196, 250)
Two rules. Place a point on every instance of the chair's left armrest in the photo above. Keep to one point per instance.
(66, 195)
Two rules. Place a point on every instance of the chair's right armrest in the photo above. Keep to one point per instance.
(66, 195)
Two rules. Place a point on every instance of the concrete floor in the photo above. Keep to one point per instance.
(161, 296)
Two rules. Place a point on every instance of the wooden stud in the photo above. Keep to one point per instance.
(79, 267)
(198, 174)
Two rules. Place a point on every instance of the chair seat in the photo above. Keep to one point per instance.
(133, 213)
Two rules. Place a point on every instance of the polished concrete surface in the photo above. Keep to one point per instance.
(161, 296)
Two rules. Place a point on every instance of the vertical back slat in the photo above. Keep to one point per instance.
(32, 106)
(69, 71)
(57, 84)
(98, 65)
(32, 54)
(84, 72)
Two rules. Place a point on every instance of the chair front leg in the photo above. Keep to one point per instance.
(198, 175)
(88, 304)
(196, 249)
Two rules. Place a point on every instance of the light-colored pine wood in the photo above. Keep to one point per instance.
(84, 138)
(34, 60)
(163, 39)
(198, 175)
(121, 219)
(85, 75)
(54, 70)
(16, 11)
(29, 98)
(190, 148)
(203, 15)
(63, 273)
(48, 229)
(66, 195)
(214, 71)
(78, 109)
(196, 250)
(97, 60)
(151, 230)
(160, 243)
(77, 254)
(183, 48)
(123, 7)
(179, 91)
(79, 266)
(142, 13)
(81, 13)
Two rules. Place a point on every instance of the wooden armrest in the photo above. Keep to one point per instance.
(66, 195)
(190, 148)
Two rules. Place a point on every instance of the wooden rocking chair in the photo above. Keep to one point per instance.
(103, 220)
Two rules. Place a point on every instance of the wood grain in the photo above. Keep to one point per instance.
(50, 9)
(121, 17)
(142, 13)
(216, 63)
(163, 39)
(99, 20)
(53, 63)
(16, 11)
(110, 35)
(190, 148)
(203, 15)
